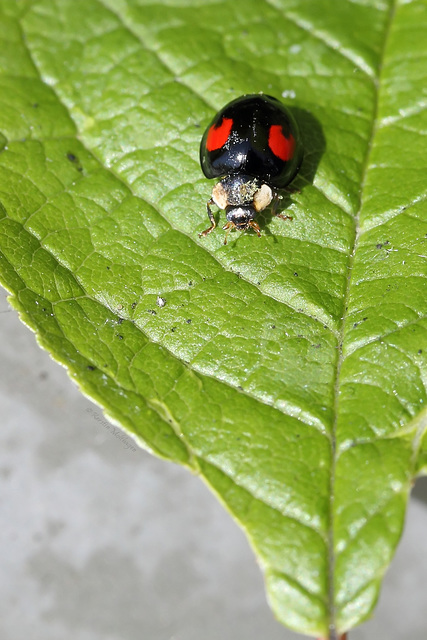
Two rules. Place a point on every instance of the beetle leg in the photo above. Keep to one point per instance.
(255, 227)
(290, 189)
(211, 218)
(228, 227)
(276, 199)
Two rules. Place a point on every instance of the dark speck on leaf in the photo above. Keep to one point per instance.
(379, 246)
(173, 329)
(90, 367)
(316, 346)
(420, 351)
(120, 320)
(120, 337)
(356, 324)
(295, 274)
(35, 105)
(188, 321)
(133, 305)
(258, 283)
(190, 284)
(240, 388)
(108, 268)
(71, 157)
(152, 311)
(273, 326)
(364, 319)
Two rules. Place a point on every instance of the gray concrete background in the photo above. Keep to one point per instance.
(99, 542)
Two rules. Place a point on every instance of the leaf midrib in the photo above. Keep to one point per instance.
(343, 326)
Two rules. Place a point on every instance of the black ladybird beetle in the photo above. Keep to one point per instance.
(253, 145)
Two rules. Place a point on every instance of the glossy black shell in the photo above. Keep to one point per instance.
(246, 150)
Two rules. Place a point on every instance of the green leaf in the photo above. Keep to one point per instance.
(289, 371)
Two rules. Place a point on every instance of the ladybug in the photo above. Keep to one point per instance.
(254, 146)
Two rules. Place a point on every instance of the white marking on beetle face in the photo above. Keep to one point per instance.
(238, 214)
(219, 196)
(262, 197)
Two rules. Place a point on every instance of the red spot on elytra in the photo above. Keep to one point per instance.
(281, 146)
(218, 135)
